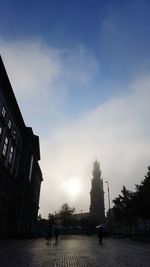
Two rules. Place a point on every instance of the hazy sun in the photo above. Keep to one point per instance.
(73, 187)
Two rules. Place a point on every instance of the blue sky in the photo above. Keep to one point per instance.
(80, 71)
(117, 33)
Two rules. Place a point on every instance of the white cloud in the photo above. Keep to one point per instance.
(31, 65)
(42, 77)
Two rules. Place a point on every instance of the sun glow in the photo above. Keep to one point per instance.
(73, 187)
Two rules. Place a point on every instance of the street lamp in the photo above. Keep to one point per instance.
(109, 206)
(81, 214)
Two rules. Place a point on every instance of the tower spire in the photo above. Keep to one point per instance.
(97, 195)
(96, 169)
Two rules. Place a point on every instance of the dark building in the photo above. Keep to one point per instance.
(97, 211)
(20, 174)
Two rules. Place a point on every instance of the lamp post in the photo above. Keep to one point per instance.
(81, 214)
(110, 223)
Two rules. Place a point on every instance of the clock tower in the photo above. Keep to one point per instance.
(97, 210)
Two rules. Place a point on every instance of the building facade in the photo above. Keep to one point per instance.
(97, 210)
(20, 174)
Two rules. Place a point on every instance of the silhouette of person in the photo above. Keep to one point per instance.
(56, 234)
(49, 235)
(50, 229)
(100, 235)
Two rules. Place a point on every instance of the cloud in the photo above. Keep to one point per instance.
(117, 133)
(31, 65)
(42, 77)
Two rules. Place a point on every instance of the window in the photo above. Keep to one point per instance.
(14, 134)
(3, 112)
(31, 165)
(5, 146)
(11, 154)
(9, 124)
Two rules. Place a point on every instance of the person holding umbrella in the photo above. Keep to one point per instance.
(99, 229)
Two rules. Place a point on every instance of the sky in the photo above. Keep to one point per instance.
(80, 70)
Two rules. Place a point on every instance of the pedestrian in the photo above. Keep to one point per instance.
(49, 235)
(56, 234)
(100, 234)
(50, 228)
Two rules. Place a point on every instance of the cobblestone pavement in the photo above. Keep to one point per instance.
(80, 251)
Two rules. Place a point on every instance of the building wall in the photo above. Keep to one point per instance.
(20, 174)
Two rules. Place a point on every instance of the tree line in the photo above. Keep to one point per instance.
(130, 207)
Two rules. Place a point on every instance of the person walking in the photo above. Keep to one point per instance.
(50, 228)
(49, 235)
(100, 235)
(56, 234)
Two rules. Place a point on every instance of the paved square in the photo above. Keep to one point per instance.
(74, 251)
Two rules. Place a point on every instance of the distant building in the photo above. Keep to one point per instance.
(20, 173)
(97, 210)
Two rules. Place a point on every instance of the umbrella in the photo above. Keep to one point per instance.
(99, 226)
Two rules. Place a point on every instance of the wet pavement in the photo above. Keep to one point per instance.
(80, 251)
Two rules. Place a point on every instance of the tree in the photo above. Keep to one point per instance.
(66, 213)
(124, 207)
(143, 197)
(118, 209)
(132, 205)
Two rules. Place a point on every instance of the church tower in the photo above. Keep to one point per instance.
(97, 212)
